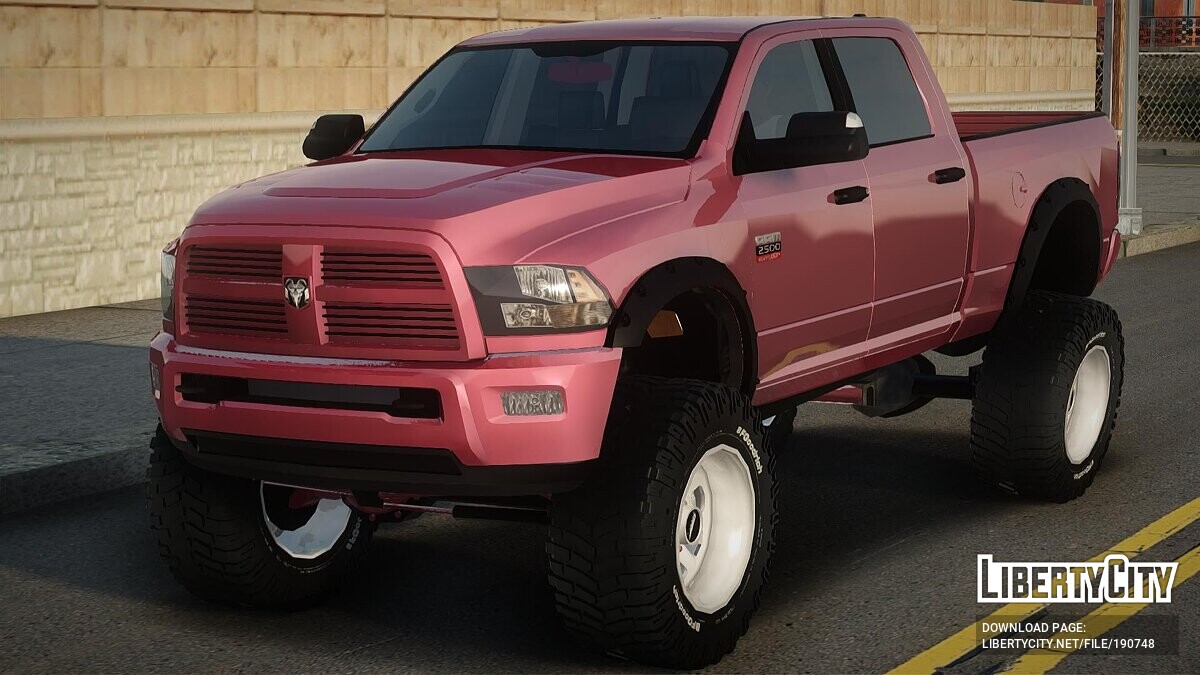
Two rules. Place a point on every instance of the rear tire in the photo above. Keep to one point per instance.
(1047, 396)
(218, 541)
(631, 565)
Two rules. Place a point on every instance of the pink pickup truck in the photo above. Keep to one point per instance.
(585, 274)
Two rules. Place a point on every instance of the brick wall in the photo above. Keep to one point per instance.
(82, 219)
(119, 117)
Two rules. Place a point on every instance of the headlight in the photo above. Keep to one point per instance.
(166, 282)
(527, 299)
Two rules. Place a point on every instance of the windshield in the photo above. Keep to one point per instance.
(640, 98)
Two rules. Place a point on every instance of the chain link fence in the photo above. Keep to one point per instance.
(1168, 96)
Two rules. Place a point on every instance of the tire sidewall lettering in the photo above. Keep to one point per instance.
(1091, 463)
(757, 460)
(687, 616)
(355, 529)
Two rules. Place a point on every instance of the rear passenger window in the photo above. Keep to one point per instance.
(885, 95)
(789, 81)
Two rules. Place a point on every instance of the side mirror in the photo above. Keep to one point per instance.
(812, 138)
(331, 135)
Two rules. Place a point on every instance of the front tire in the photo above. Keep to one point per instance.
(661, 557)
(237, 541)
(1047, 396)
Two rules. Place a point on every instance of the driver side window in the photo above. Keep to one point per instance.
(788, 81)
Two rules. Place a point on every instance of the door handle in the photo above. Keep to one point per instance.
(850, 195)
(951, 174)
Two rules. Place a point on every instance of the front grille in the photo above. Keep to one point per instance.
(430, 326)
(372, 268)
(255, 263)
(227, 316)
(381, 300)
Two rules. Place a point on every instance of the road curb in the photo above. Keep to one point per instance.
(1157, 238)
(51, 483)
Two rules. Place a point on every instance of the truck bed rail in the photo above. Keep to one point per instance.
(974, 125)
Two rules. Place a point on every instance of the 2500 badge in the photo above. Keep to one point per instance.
(768, 246)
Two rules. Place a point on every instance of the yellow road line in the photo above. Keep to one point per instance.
(1098, 622)
(961, 643)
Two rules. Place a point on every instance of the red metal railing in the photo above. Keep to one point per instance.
(1161, 33)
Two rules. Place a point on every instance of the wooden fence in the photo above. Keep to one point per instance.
(89, 58)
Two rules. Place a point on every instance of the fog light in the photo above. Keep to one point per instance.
(532, 402)
(155, 381)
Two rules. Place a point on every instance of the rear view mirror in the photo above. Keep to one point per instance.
(812, 138)
(331, 135)
(579, 72)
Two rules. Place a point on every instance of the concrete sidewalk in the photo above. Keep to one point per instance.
(77, 416)
(1169, 195)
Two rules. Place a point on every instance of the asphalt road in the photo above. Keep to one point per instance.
(881, 524)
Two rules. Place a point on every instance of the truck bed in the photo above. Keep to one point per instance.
(1014, 157)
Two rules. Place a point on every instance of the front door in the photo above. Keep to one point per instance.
(812, 255)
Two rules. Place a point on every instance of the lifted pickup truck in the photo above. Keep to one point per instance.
(586, 273)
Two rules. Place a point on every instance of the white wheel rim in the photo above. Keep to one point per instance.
(1087, 404)
(714, 532)
(315, 537)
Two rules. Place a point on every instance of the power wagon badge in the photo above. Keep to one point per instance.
(768, 246)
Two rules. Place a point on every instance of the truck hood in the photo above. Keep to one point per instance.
(493, 206)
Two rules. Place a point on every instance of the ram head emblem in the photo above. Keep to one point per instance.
(296, 292)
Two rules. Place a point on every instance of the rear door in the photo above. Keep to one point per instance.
(917, 174)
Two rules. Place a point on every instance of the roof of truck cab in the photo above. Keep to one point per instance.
(716, 28)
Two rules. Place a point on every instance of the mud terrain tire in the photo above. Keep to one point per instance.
(212, 533)
(1031, 386)
(613, 548)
